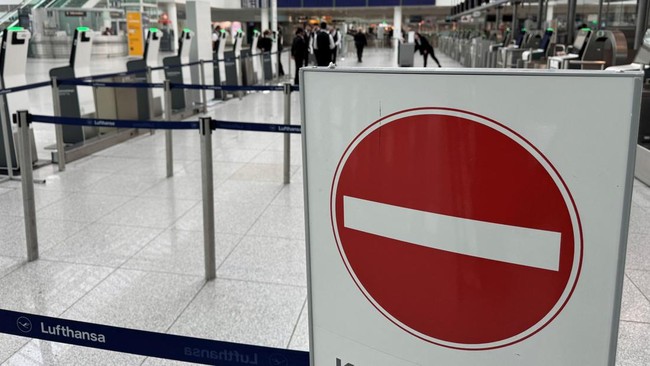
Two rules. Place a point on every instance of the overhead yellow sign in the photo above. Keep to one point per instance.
(134, 33)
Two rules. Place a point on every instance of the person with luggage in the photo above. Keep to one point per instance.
(425, 48)
(323, 46)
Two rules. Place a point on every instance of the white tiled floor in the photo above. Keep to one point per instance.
(122, 245)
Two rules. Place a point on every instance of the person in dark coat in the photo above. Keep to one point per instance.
(323, 46)
(265, 43)
(360, 41)
(425, 48)
(299, 52)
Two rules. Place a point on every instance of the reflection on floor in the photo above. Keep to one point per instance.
(122, 245)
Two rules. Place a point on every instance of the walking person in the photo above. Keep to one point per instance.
(323, 46)
(425, 48)
(336, 35)
(360, 41)
(299, 52)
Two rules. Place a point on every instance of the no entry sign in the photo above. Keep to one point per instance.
(474, 255)
(463, 217)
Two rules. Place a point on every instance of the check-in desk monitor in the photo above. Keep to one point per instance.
(223, 36)
(257, 58)
(80, 53)
(184, 47)
(151, 53)
(13, 60)
(238, 39)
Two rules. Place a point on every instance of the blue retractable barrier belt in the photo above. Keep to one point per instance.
(109, 84)
(229, 87)
(105, 76)
(140, 342)
(118, 123)
(252, 126)
(24, 87)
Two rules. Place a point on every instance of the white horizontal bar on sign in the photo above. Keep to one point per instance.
(498, 242)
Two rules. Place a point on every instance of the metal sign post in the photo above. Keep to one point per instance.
(205, 129)
(287, 137)
(29, 203)
(150, 97)
(204, 97)
(7, 134)
(58, 129)
(169, 152)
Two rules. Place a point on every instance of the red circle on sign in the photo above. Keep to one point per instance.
(465, 167)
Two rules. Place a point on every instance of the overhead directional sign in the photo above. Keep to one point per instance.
(482, 261)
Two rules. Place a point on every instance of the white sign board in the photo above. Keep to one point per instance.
(467, 217)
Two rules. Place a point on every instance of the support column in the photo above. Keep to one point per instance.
(571, 21)
(499, 17)
(173, 18)
(600, 14)
(550, 12)
(199, 20)
(641, 19)
(274, 15)
(265, 16)
(515, 21)
(540, 14)
(397, 31)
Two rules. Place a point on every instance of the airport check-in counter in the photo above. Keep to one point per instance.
(13, 60)
(641, 62)
(536, 58)
(110, 103)
(77, 101)
(479, 50)
(605, 48)
(180, 75)
(574, 52)
(493, 50)
(146, 107)
(511, 57)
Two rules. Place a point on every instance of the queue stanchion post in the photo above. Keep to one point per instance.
(261, 58)
(150, 97)
(287, 137)
(240, 79)
(6, 136)
(289, 64)
(204, 97)
(169, 152)
(22, 118)
(205, 129)
(58, 128)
